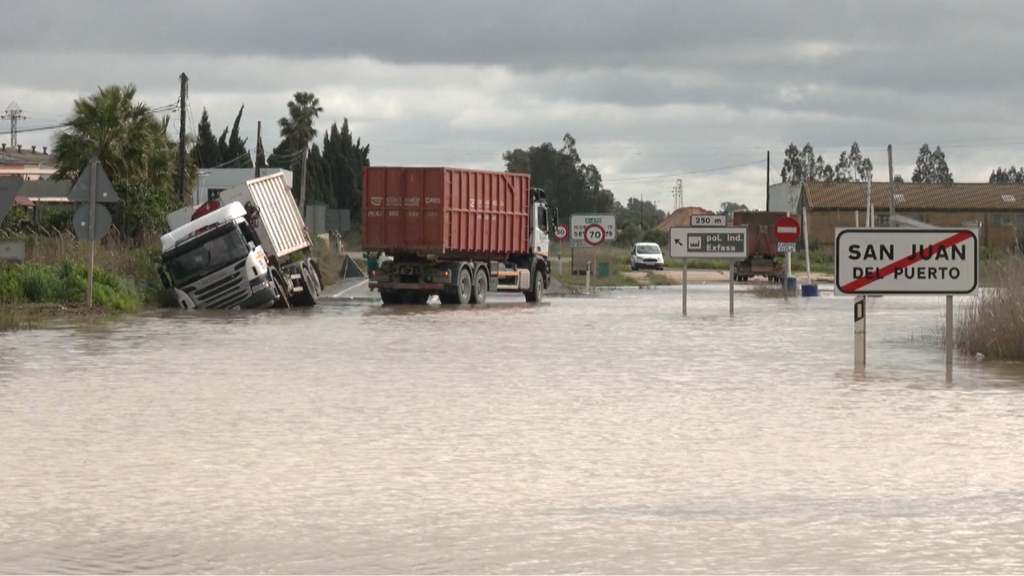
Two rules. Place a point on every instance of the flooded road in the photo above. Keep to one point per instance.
(601, 435)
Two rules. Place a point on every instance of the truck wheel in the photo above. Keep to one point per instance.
(448, 298)
(282, 296)
(390, 297)
(537, 293)
(310, 294)
(465, 286)
(479, 287)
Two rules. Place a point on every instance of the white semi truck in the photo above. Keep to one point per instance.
(249, 249)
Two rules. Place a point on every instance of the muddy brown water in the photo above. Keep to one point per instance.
(604, 435)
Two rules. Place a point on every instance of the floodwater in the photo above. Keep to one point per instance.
(583, 435)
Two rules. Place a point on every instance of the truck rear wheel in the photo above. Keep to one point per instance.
(480, 287)
(465, 286)
(282, 295)
(390, 297)
(310, 286)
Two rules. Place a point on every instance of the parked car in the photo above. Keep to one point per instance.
(646, 255)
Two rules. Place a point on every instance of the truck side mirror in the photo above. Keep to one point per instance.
(554, 217)
(164, 279)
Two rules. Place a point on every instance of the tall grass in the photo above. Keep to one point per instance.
(992, 322)
(130, 268)
(66, 283)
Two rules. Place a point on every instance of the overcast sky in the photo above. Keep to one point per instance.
(653, 91)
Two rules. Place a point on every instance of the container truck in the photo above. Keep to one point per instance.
(456, 233)
(249, 249)
(762, 246)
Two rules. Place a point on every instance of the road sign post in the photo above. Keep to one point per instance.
(91, 220)
(591, 230)
(709, 243)
(561, 233)
(905, 261)
(787, 231)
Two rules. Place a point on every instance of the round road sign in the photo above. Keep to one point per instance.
(787, 229)
(593, 234)
(561, 232)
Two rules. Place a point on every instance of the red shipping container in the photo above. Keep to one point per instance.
(445, 211)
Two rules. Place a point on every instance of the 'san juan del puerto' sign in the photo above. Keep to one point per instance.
(906, 261)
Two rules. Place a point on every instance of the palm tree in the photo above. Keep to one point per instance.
(298, 131)
(130, 141)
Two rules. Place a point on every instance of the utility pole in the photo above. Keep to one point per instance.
(768, 183)
(892, 189)
(181, 137)
(259, 146)
(13, 114)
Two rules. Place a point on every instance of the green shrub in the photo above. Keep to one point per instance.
(66, 283)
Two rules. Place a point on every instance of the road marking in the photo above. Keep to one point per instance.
(348, 289)
(905, 262)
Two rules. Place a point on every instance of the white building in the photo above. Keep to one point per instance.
(784, 197)
(212, 181)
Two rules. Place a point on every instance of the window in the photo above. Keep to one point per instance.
(542, 218)
(1009, 198)
(881, 220)
(1003, 220)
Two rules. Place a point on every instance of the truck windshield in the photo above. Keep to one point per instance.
(206, 254)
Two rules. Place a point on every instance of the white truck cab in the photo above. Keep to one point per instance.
(215, 261)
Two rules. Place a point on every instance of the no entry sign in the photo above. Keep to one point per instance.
(906, 261)
(787, 229)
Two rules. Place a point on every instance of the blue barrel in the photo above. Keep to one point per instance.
(809, 290)
(791, 284)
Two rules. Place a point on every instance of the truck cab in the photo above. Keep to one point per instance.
(216, 261)
(544, 218)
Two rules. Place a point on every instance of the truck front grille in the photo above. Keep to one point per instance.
(223, 290)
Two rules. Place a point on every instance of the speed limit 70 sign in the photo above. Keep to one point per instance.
(591, 230)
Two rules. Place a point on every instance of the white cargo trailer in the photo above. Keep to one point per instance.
(250, 249)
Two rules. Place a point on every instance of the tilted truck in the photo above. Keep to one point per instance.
(250, 249)
(762, 246)
(456, 233)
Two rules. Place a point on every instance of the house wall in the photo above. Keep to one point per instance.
(999, 231)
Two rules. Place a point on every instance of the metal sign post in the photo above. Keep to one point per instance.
(859, 333)
(92, 220)
(709, 243)
(685, 265)
(905, 261)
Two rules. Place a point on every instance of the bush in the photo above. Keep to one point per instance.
(992, 323)
(66, 283)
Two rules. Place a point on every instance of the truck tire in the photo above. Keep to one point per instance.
(464, 286)
(390, 297)
(536, 294)
(282, 296)
(448, 298)
(310, 292)
(480, 286)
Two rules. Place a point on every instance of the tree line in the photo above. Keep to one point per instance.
(802, 165)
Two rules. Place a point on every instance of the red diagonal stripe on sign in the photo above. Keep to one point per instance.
(900, 264)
